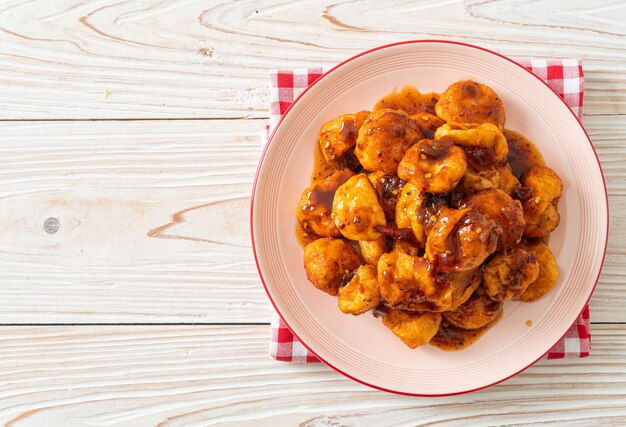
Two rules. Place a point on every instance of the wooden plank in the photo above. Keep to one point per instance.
(153, 222)
(182, 59)
(118, 255)
(174, 376)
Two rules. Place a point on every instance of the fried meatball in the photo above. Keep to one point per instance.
(505, 211)
(427, 124)
(500, 177)
(463, 283)
(408, 210)
(361, 292)
(408, 280)
(406, 248)
(388, 188)
(339, 135)
(508, 182)
(484, 142)
(327, 261)
(383, 139)
(377, 180)
(467, 101)
(315, 206)
(414, 329)
(508, 275)
(356, 209)
(475, 313)
(461, 240)
(371, 250)
(548, 273)
(433, 166)
(543, 191)
(458, 285)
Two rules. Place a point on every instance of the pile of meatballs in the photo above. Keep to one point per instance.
(417, 216)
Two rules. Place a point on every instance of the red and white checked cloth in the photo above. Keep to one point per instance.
(564, 76)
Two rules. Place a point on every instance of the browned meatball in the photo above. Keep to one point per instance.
(508, 213)
(475, 313)
(485, 140)
(414, 329)
(408, 209)
(427, 123)
(467, 101)
(508, 275)
(316, 204)
(383, 139)
(327, 261)
(361, 292)
(339, 135)
(407, 281)
(548, 273)
(544, 189)
(388, 187)
(356, 209)
(418, 211)
(483, 178)
(461, 240)
(508, 182)
(406, 248)
(372, 250)
(433, 166)
(463, 283)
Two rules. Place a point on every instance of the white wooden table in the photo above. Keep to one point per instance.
(136, 125)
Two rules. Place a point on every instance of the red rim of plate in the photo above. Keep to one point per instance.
(254, 187)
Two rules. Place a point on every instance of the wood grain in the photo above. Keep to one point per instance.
(174, 376)
(122, 250)
(154, 221)
(184, 59)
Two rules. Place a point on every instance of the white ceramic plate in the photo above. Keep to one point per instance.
(361, 347)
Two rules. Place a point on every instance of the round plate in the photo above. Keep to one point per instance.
(361, 347)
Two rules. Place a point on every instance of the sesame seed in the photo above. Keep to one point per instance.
(423, 156)
(428, 175)
(433, 218)
(327, 144)
(479, 230)
(537, 199)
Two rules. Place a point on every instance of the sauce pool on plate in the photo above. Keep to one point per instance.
(410, 100)
(451, 338)
(321, 169)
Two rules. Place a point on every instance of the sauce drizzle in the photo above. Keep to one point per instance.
(523, 155)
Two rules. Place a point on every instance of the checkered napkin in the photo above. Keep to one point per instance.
(564, 76)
